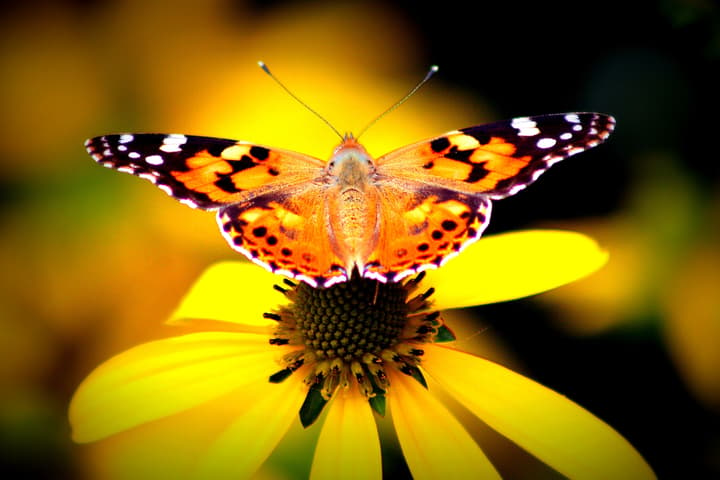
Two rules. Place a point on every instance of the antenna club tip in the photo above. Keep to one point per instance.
(262, 65)
(434, 68)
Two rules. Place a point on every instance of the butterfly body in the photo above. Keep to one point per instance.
(351, 203)
(386, 218)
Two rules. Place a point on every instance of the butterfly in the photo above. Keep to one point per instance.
(382, 218)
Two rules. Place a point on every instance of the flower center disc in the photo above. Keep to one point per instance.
(353, 332)
(350, 319)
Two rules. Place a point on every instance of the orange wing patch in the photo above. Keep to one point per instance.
(481, 166)
(287, 236)
(235, 169)
(461, 162)
(427, 234)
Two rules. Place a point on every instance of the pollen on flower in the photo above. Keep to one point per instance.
(353, 332)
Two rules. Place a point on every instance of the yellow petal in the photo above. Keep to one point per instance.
(269, 411)
(170, 447)
(348, 446)
(167, 376)
(514, 265)
(546, 424)
(237, 292)
(433, 442)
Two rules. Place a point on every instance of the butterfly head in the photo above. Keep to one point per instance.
(350, 163)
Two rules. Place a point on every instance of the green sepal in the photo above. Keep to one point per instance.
(377, 403)
(313, 406)
(444, 334)
(415, 373)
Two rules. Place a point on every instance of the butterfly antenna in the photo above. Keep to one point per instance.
(430, 73)
(267, 70)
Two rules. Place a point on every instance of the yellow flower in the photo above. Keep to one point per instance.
(294, 351)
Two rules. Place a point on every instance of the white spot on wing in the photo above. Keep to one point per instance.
(176, 138)
(170, 148)
(172, 143)
(546, 143)
(154, 159)
(148, 176)
(165, 188)
(572, 118)
(126, 138)
(330, 281)
(525, 126)
(312, 282)
(186, 201)
(134, 155)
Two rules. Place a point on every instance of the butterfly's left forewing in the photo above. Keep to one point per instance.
(203, 172)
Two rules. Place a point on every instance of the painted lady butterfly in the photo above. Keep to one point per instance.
(407, 211)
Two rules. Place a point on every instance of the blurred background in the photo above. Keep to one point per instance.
(93, 261)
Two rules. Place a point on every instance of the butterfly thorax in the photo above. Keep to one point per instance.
(352, 203)
(350, 164)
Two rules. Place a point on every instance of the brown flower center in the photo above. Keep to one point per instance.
(350, 319)
(354, 331)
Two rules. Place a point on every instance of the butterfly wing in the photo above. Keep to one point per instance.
(498, 159)
(287, 232)
(455, 176)
(203, 172)
(270, 203)
(422, 227)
